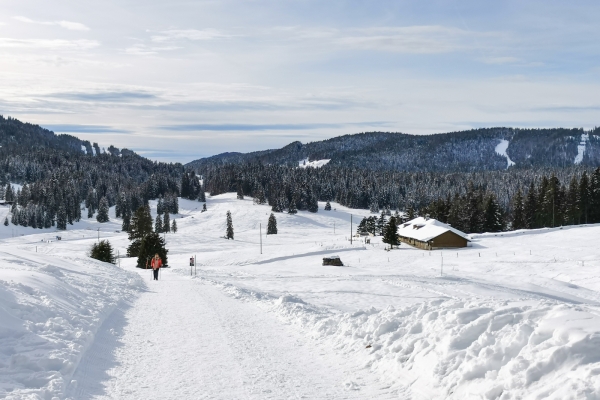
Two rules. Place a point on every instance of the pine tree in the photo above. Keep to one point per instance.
(530, 208)
(229, 231)
(272, 225)
(327, 206)
(493, 219)
(150, 245)
(390, 233)
(292, 208)
(126, 222)
(584, 197)
(380, 224)
(166, 223)
(140, 227)
(61, 219)
(6, 221)
(174, 226)
(519, 221)
(203, 207)
(158, 224)
(103, 251)
(240, 191)
(313, 204)
(160, 206)
(102, 211)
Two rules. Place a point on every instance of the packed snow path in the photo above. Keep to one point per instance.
(184, 340)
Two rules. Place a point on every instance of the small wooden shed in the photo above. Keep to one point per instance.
(431, 234)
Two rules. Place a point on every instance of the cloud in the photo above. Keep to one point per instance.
(189, 34)
(143, 50)
(263, 127)
(108, 96)
(409, 39)
(73, 26)
(73, 128)
(81, 44)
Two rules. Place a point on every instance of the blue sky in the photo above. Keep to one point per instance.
(180, 80)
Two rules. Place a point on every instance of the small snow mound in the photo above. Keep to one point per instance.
(351, 385)
(581, 148)
(313, 164)
(289, 298)
(501, 150)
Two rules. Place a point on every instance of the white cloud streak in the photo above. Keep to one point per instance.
(188, 34)
(81, 44)
(73, 26)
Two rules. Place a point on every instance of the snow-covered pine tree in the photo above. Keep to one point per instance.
(493, 219)
(530, 208)
(229, 229)
(390, 233)
(61, 219)
(327, 206)
(518, 221)
(240, 191)
(158, 224)
(126, 222)
(102, 211)
(174, 226)
(272, 225)
(160, 206)
(374, 207)
(166, 226)
(292, 208)
(380, 224)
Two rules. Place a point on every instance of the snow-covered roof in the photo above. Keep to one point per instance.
(426, 229)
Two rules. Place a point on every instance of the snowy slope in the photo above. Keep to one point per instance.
(313, 164)
(585, 137)
(515, 316)
(501, 150)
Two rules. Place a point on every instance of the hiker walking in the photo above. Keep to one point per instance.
(156, 264)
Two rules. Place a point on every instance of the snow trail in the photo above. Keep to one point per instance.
(501, 150)
(581, 148)
(183, 340)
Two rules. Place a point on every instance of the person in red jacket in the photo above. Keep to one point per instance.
(156, 264)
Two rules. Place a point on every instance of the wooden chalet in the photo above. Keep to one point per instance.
(431, 234)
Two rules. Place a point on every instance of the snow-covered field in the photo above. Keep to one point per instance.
(515, 316)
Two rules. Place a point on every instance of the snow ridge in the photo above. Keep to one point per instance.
(454, 349)
(585, 137)
(501, 150)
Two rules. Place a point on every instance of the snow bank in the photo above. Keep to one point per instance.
(50, 310)
(313, 164)
(457, 349)
(501, 150)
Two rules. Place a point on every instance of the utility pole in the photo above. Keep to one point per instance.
(98, 235)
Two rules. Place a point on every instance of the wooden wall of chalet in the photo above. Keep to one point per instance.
(445, 240)
(448, 239)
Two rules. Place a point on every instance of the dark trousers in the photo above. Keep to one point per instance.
(155, 274)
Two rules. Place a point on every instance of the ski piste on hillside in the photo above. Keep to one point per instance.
(513, 316)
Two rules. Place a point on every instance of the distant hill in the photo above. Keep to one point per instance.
(473, 150)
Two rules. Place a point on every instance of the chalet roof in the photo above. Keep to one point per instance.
(426, 229)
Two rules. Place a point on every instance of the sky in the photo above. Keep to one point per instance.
(180, 80)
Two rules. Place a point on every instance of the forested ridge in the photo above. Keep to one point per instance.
(465, 151)
(59, 172)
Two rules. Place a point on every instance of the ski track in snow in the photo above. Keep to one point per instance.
(581, 148)
(191, 341)
(501, 150)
